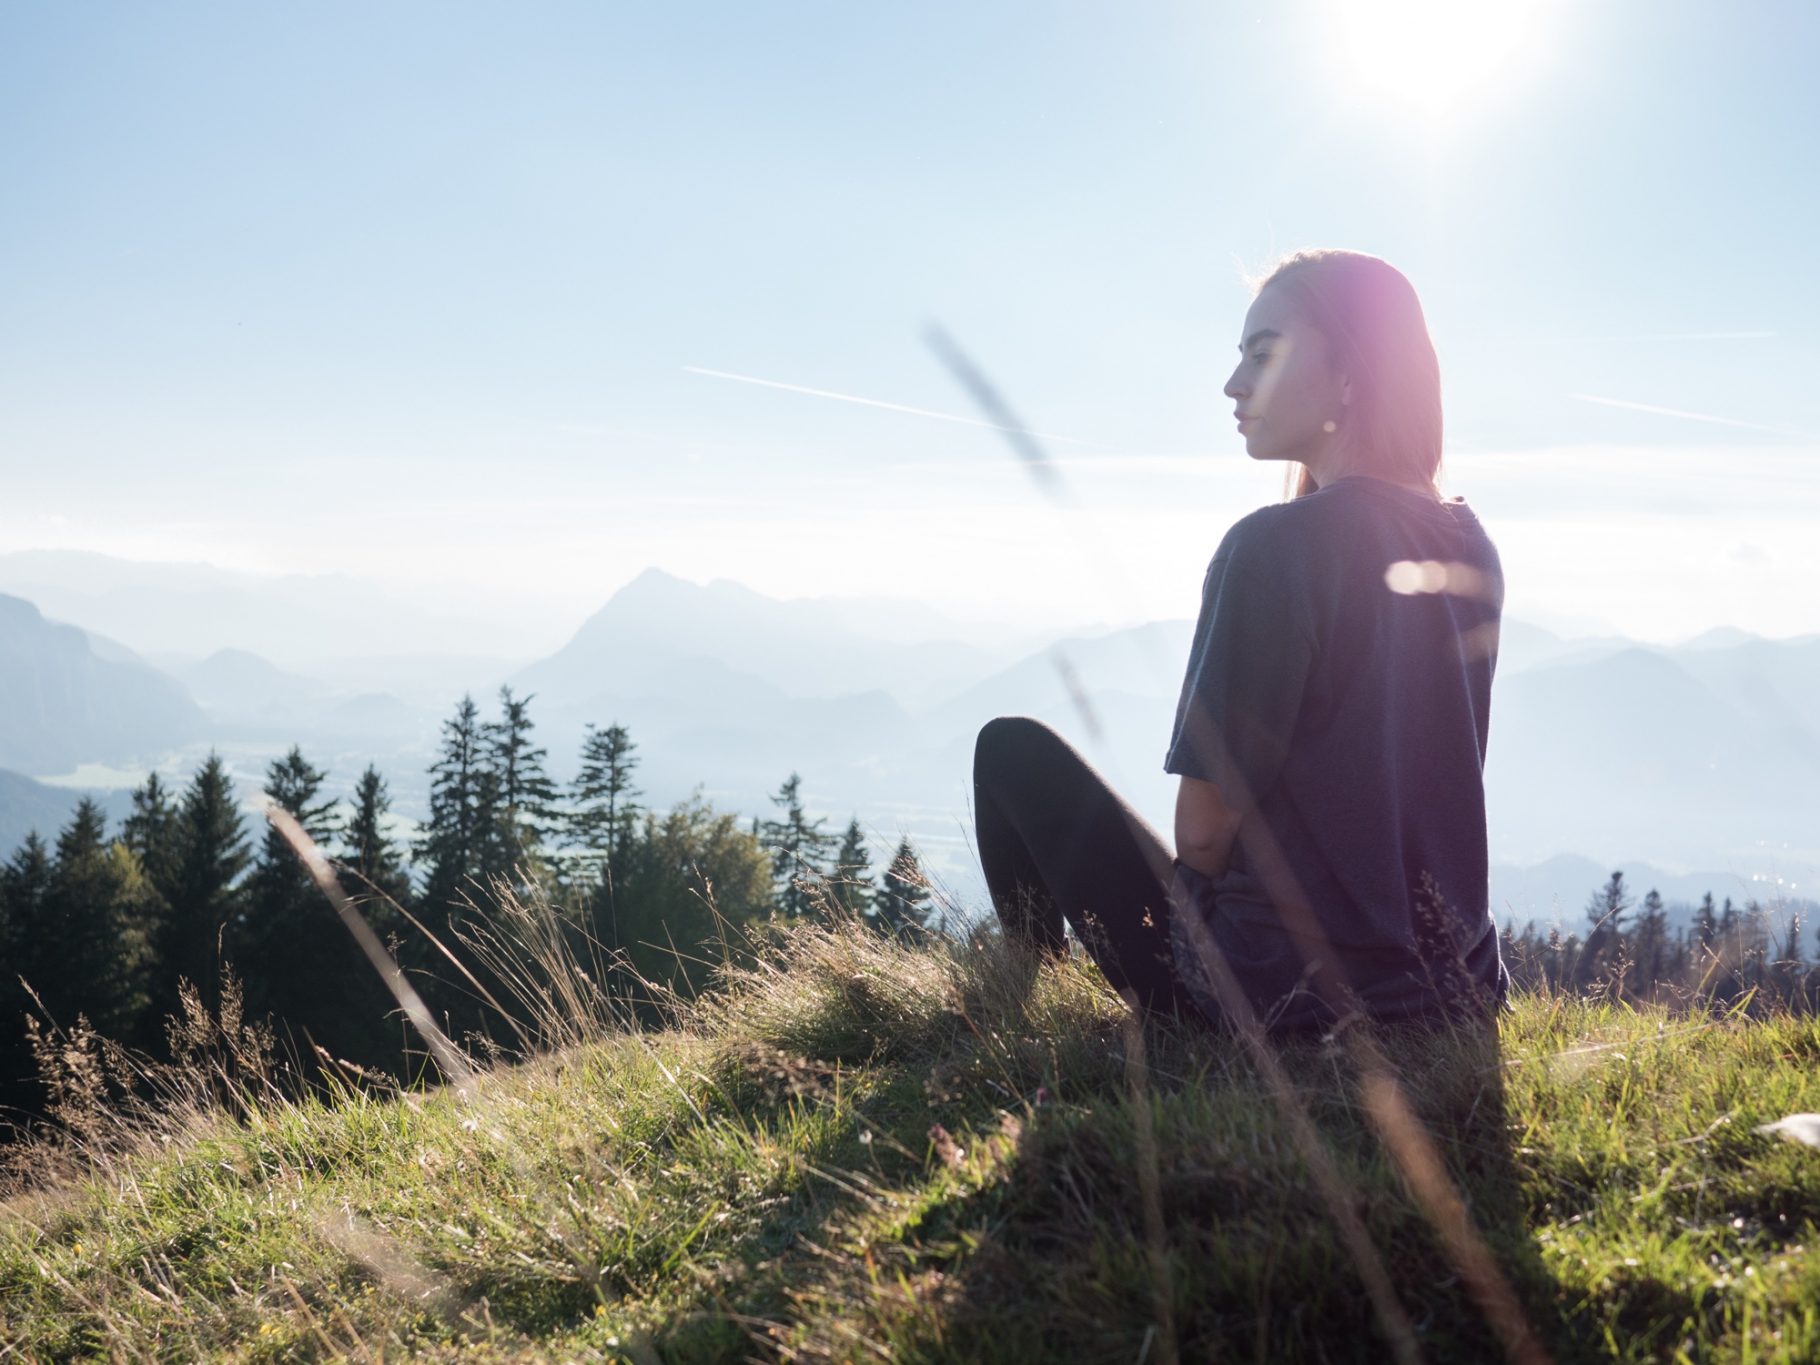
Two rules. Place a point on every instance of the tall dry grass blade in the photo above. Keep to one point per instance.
(1149, 1185)
(1440, 1200)
(448, 1056)
(1353, 1234)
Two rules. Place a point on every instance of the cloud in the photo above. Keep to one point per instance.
(1607, 484)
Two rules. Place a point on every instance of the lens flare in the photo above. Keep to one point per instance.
(1438, 56)
(1409, 576)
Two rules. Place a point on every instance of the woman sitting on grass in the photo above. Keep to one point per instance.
(1331, 856)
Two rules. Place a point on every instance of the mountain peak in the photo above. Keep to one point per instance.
(654, 577)
(18, 609)
(1719, 637)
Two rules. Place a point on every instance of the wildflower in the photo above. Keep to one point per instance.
(946, 1147)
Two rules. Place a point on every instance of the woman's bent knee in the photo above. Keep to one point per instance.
(1007, 740)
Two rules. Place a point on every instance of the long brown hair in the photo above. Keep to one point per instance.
(1372, 321)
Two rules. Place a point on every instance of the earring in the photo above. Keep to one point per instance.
(1329, 427)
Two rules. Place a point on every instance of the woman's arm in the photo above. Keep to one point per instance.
(1205, 827)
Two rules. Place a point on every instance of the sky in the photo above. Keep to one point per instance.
(467, 299)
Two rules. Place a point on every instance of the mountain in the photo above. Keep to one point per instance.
(1556, 890)
(26, 805)
(1657, 752)
(807, 648)
(1719, 637)
(1707, 755)
(189, 611)
(67, 703)
(699, 721)
(1700, 755)
(239, 685)
(1142, 662)
(1776, 682)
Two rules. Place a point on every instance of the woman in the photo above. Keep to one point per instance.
(1330, 834)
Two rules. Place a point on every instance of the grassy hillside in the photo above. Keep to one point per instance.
(864, 1151)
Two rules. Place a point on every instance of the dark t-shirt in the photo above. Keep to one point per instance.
(1340, 677)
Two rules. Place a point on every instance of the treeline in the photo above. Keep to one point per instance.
(188, 896)
(1723, 955)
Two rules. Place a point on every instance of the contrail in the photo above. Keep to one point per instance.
(894, 407)
(1677, 412)
(1689, 336)
(1709, 336)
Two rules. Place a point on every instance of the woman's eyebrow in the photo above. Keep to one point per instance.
(1262, 334)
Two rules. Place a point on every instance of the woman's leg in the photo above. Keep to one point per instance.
(1056, 842)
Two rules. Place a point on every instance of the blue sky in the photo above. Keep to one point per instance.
(420, 292)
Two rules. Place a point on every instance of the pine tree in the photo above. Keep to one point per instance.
(603, 824)
(1651, 951)
(905, 901)
(605, 818)
(96, 927)
(1790, 968)
(850, 881)
(153, 834)
(1605, 909)
(302, 964)
(1605, 913)
(462, 806)
(1706, 923)
(527, 796)
(23, 883)
(368, 852)
(294, 784)
(212, 854)
(285, 918)
(799, 847)
(25, 935)
(75, 918)
(31, 949)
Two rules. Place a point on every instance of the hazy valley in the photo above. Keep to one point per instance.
(1694, 767)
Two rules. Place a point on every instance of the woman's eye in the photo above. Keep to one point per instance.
(1260, 356)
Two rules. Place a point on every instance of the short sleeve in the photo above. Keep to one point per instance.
(1248, 666)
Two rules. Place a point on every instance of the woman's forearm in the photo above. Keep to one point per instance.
(1205, 827)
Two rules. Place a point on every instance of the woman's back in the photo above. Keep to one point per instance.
(1339, 689)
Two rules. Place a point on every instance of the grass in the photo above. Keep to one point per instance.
(862, 1150)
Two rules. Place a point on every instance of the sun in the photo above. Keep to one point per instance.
(1438, 57)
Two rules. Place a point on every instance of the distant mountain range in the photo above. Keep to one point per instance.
(658, 626)
(69, 699)
(27, 806)
(175, 614)
(1704, 754)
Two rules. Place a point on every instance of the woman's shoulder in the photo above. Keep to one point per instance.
(1260, 534)
(1282, 523)
(1359, 497)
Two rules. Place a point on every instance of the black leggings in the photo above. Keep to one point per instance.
(1057, 843)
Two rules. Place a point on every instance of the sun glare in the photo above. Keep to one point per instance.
(1438, 57)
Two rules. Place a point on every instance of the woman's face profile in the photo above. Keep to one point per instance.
(1282, 389)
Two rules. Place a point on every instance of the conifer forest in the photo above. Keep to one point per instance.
(194, 908)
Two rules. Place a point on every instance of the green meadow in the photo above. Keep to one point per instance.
(854, 1148)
